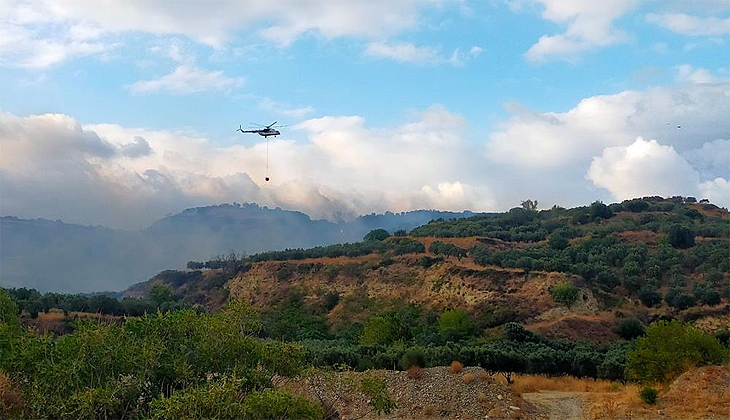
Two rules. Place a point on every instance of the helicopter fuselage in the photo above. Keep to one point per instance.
(268, 132)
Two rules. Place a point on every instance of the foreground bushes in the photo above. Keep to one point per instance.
(669, 348)
(173, 365)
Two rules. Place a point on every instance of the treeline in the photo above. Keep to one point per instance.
(527, 224)
(519, 351)
(395, 246)
(32, 302)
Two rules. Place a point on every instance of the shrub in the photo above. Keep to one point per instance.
(413, 357)
(649, 297)
(415, 372)
(669, 348)
(469, 378)
(630, 328)
(456, 367)
(648, 395)
(564, 293)
(377, 330)
(681, 236)
(376, 235)
(455, 325)
(275, 404)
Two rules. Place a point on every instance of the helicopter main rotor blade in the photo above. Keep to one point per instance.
(270, 125)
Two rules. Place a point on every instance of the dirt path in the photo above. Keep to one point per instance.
(557, 404)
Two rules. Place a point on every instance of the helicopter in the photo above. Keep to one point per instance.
(265, 131)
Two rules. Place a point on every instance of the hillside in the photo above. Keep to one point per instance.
(63, 257)
(648, 259)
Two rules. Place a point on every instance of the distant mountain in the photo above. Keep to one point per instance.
(56, 256)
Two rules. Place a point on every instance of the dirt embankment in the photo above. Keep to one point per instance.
(370, 283)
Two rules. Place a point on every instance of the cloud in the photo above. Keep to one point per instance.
(649, 168)
(406, 52)
(688, 74)
(24, 48)
(137, 148)
(690, 25)
(554, 139)
(717, 191)
(127, 177)
(643, 168)
(711, 160)
(186, 79)
(270, 105)
(589, 25)
(213, 22)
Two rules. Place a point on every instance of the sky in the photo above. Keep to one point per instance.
(120, 112)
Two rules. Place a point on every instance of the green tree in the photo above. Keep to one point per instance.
(630, 328)
(455, 325)
(376, 235)
(681, 236)
(564, 293)
(670, 348)
(377, 330)
(160, 294)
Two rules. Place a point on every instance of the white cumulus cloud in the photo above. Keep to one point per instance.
(691, 25)
(589, 24)
(186, 79)
(643, 168)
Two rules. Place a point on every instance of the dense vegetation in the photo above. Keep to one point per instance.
(179, 364)
(169, 358)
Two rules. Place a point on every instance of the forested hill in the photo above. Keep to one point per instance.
(56, 256)
(571, 273)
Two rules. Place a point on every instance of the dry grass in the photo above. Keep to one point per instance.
(703, 392)
(533, 383)
(484, 376)
(456, 367)
(11, 402)
(415, 372)
(429, 410)
(469, 378)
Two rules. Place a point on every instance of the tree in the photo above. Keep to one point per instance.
(530, 205)
(598, 210)
(558, 240)
(669, 348)
(564, 293)
(160, 294)
(455, 325)
(377, 330)
(630, 328)
(649, 296)
(376, 235)
(681, 236)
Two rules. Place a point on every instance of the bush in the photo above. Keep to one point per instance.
(455, 325)
(377, 330)
(413, 357)
(564, 293)
(275, 404)
(681, 236)
(630, 328)
(649, 297)
(648, 395)
(376, 235)
(669, 348)
(456, 367)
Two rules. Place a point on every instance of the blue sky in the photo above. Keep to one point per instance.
(461, 78)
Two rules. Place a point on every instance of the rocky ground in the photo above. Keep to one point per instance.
(433, 393)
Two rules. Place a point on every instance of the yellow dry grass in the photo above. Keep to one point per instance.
(533, 383)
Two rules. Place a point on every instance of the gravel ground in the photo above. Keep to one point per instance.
(438, 394)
